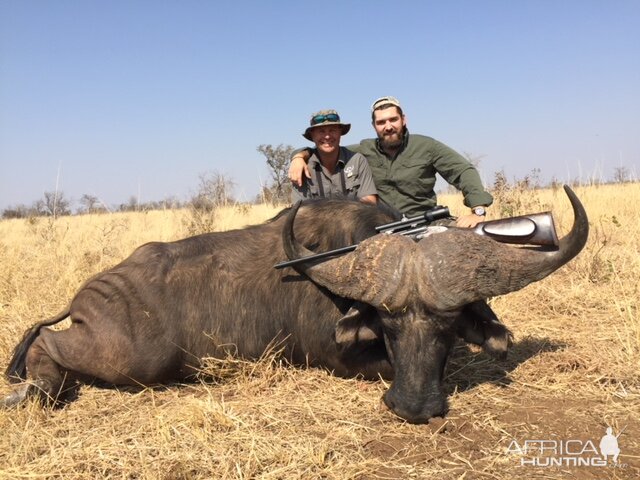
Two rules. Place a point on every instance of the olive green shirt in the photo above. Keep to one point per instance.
(407, 181)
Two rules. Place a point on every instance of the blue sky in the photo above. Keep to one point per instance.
(115, 98)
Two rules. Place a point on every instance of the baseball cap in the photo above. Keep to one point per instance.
(385, 101)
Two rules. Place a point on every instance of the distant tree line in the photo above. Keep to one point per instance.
(216, 189)
(56, 204)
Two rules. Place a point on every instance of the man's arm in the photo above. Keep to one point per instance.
(298, 168)
(460, 173)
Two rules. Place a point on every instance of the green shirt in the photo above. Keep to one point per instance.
(407, 181)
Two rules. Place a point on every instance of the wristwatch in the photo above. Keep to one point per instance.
(480, 211)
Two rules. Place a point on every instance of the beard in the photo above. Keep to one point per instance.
(392, 140)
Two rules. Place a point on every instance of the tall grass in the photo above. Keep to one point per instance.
(572, 371)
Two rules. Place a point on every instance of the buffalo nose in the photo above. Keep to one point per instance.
(415, 412)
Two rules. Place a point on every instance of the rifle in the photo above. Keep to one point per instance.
(535, 229)
(402, 226)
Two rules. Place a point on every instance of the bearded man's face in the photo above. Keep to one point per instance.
(389, 124)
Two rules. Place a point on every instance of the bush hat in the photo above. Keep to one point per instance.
(324, 118)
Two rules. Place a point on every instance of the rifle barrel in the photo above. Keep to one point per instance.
(330, 253)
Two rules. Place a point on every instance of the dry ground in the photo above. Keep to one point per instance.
(572, 371)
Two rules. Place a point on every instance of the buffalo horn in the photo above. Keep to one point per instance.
(443, 271)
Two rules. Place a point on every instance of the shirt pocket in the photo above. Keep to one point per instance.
(415, 175)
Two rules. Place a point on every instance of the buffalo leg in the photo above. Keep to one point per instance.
(17, 396)
(45, 378)
(359, 326)
(478, 324)
(57, 358)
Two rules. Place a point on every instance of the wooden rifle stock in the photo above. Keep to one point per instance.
(536, 229)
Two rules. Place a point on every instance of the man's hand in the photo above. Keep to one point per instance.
(297, 169)
(469, 221)
(371, 199)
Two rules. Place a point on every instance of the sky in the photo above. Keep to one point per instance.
(140, 97)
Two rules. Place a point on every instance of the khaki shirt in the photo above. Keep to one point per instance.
(353, 167)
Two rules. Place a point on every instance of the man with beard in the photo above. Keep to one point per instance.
(404, 166)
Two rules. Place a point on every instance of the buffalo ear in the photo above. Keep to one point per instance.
(358, 326)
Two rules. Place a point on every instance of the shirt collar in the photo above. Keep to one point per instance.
(314, 161)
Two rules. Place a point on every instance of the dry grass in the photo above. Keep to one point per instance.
(572, 371)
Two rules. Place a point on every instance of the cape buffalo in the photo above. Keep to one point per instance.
(154, 316)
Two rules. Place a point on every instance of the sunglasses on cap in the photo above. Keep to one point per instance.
(330, 117)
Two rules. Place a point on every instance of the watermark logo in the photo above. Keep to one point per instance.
(609, 445)
(569, 453)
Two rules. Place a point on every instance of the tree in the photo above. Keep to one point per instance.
(279, 190)
(91, 204)
(17, 211)
(55, 205)
(214, 190)
(132, 205)
(620, 175)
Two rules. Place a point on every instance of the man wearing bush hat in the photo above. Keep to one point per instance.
(334, 170)
(404, 166)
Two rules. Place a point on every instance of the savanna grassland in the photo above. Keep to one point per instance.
(573, 370)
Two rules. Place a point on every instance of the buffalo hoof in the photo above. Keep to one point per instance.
(39, 389)
(19, 395)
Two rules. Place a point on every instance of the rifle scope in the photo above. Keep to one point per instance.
(431, 215)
